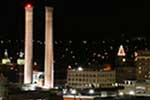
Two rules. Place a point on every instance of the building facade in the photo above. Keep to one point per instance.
(125, 73)
(125, 69)
(142, 60)
(88, 78)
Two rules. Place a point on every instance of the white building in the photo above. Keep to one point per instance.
(87, 78)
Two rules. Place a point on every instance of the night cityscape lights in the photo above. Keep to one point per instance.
(93, 51)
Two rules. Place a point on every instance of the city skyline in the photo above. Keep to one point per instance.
(74, 49)
(83, 52)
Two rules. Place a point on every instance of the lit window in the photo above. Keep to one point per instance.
(140, 72)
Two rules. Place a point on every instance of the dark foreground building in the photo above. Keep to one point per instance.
(34, 95)
(13, 91)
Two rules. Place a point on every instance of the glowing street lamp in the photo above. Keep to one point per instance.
(131, 92)
(74, 93)
(121, 93)
(91, 91)
(80, 69)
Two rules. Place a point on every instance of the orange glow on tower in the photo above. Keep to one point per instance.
(107, 67)
(28, 6)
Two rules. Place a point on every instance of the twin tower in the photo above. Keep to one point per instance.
(48, 69)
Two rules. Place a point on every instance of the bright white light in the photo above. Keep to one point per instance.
(91, 91)
(30, 87)
(131, 93)
(80, 69)
(21, 54)
(124, 60)
(56, 87)
(73, 91)
(116, 84)
(121, 93)
(69, 66)
(64, 91)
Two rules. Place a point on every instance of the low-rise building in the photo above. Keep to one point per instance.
(125, 73)
(88, 78)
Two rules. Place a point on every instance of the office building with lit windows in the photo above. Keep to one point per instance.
(142, 60)
(88, 78)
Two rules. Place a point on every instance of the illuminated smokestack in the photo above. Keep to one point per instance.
(28, 43)
(49, 70)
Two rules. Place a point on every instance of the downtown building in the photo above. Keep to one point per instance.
(125, 69)
(13, 70)
(142, 61)
(88, 78)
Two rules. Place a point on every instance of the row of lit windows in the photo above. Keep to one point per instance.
(73, 79)
(90, 85)
(142, 71)
(92, 80)
(83, 75)
(92, 75)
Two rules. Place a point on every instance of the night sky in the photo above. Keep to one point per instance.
(79, 19)
(107, 18)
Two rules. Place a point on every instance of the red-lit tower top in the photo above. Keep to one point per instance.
(28, 6)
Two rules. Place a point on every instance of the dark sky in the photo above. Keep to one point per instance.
(76, 19)
(107, 18)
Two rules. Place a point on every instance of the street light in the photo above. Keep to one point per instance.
(80, 69)
(91, 91)
(121, 93)
(73, 92)
(64, 91)
(131, 92)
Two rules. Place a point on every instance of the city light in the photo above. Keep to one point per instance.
(123, 60)
(113, 65)
(29, 87)
(73, 91)
(121, 93)
(121, 51)
(64, 91)
(80, 69)
(28, 6)
(91, 91)
(131, 92)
